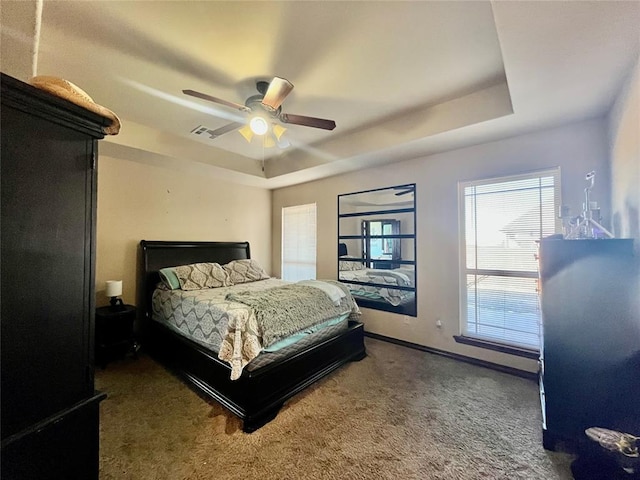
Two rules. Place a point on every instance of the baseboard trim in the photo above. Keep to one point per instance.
(455, 356)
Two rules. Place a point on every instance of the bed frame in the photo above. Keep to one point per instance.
(257, 396)
(407, 308)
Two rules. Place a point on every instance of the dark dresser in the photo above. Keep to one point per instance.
(590, 355)
(49, 409)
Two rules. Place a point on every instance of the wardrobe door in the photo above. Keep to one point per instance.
(47, 180)
(63, 449)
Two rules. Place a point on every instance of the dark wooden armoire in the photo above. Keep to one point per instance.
(49, 408)
(590, 357)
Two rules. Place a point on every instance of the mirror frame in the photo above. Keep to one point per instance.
(405, 308)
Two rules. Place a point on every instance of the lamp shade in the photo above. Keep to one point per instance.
(114, 288)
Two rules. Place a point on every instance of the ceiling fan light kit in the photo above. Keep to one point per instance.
(278, 130)
(258, 125)
(246, 132)
(265, 109)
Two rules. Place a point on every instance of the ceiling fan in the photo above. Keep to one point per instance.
(264, 110)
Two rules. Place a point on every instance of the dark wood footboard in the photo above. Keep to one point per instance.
(257, 396)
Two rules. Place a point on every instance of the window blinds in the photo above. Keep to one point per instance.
(299, 242)
(503, 220)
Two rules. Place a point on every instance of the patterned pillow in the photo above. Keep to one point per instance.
(244, 271)
(202, 275)
(169, 278)
(348, 266)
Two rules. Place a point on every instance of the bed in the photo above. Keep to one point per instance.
(259, 392)
(392, 287)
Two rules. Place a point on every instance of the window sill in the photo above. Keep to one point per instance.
(498, 347)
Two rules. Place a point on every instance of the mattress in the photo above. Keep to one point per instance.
(302, 342)
(230, 328)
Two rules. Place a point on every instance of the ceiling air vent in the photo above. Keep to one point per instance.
(201, 131)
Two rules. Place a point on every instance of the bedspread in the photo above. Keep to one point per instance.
(229, 327)
(283, 311)
(386, 279)
(243, 341)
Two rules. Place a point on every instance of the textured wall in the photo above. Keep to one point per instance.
(144, 202)
(624, 145)
(577, 149)
(18, 20)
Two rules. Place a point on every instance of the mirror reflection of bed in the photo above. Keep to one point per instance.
(376, 248)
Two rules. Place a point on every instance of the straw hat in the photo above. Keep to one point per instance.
(65, 89)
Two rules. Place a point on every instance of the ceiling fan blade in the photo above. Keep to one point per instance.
(278, 90)
(209, 98)
(222, 130)
(308, 121)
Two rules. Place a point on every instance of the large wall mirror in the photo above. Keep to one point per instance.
(377, 247)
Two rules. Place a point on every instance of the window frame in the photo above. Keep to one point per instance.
(484, 342)
(395, 250)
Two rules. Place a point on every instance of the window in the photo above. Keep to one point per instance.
(501, 222)
(299, 242)
(381, 242)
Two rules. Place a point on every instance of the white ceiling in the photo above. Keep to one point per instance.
(401, 79)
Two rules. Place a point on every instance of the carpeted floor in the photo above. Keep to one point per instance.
(398, 414)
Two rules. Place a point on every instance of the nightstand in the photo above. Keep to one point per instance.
(114, 333)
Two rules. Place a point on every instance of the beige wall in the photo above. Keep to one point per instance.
(145, 202)
(624, 144)
(18, 22)
(577, 149)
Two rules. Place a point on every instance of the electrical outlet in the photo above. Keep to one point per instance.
(406, 319)
(438, 323)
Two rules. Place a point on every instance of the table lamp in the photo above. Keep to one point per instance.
(113, 289)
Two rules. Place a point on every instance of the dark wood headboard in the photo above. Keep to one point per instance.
(155, 255)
